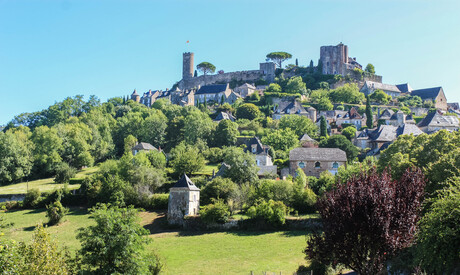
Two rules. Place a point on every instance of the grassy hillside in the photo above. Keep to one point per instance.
(238, 252)
(43, 184)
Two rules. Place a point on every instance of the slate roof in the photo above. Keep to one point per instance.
(427, 93)
(381, 86)
(293, 107)
(317, 154)
(134, 93)
(436, 119)
(407, 129)
(386, 114)
(260, 149)
(405, 88)
(306, 137)
(383, 133)
(212, 89)
(224, 115)
(248, 86)
(144, 146)
(185, 182)
(395, 115)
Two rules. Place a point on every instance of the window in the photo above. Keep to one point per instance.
(335, 165)
(317, 164)
(258, 162)
(301, 164)
(254, 148)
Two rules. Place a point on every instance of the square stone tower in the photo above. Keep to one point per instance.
(184, 200)
(187, 65)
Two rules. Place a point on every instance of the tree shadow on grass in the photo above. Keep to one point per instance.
(78, 211)
(36, 211)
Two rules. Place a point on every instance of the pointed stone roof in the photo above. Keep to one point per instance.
(144, 146)
(134, 92)
(306, 137)
(185, 182)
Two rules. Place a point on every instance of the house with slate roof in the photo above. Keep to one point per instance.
(213, 93)
(223, 116)
(370, 87)
(263, 159)
(352, 117)
(435, 121)
(389, 117)
(376, 139)
(293, 108)
(143, 147)
(314, 161)
(435, 95)
(245, 90)
(184, 200)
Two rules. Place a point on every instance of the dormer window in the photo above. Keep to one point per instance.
(254, 148)
(317, 164)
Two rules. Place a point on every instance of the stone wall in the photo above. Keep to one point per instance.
(202, 80)
(311, 170)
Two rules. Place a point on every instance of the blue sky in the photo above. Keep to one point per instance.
(53, 49)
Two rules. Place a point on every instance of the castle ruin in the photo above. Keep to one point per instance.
(266, 72)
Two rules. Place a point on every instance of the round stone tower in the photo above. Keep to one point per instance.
(187, 65)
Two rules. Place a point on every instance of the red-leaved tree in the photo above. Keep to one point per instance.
(367, 220)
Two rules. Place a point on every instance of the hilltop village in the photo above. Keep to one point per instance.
(328, 146)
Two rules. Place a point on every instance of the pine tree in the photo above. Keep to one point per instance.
(205, 104)
(196, 73)
(323, 127)
(369, 122)
(297, 62)
(222, 100)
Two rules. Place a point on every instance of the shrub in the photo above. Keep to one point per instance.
(55, 212)
(215, 213)
(219, 188)
(64, 173)
(214, 155)
(304, 200)
(75, 181)
(32, 198)
(274, 212)
(159, 201)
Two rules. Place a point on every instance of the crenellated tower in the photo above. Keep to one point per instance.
(187, 65)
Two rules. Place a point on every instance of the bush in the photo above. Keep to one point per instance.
(274, 212)
(10, 205)
(304, 200)
(55, 212)
(215, 213)
(214, 155)
(159, 201)
(64, 173)
(76, 181)
(32, 198)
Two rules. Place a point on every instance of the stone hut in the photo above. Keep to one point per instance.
(184, 200)
(143, 147)
(314, 161)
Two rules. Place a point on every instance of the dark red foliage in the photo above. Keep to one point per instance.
(367, 220)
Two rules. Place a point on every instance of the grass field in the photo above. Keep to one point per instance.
(238, 252)
(43, 184)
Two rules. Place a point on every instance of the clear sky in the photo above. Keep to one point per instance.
(53, 49)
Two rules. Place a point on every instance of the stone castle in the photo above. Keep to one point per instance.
(266, 72)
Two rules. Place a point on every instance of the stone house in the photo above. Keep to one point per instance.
(212, 93)
(245, 90)
(232, 98)
(143, 147)
(263, 159)
(351, 117)
(370, 87)
(293, 108)
(332, 116)
(184, 200)
(389, 117)
(378, 138)
(435, 121)
(435, 95)
(314, 161)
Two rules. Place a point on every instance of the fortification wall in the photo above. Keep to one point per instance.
(247, 76)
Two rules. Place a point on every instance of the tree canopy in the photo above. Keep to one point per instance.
(206, 68)
(279, 57)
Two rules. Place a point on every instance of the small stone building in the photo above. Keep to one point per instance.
(184, 200)
(314, 161)
(143, 147)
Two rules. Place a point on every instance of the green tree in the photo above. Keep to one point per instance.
(115, 244)
(219, 188)
(341, 142)
(55, 212)
(369, 116)
(349, 132)
(15, 157)
(273, 88)
(324, 104)
(295, 85)
(299, 124)
(217, 212)
(243, 166)
(197, 125)
(349, 93)
(64, 173)
(186, 159)
(77, 138)
(279, 57)
(283, 139)
(370, 68)
(323, 127)
(438, 241)
(226, 133)
(47, 149)
(42, 256)
(206, 68)
(380, 97)
(248, 111)
(154, 129)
